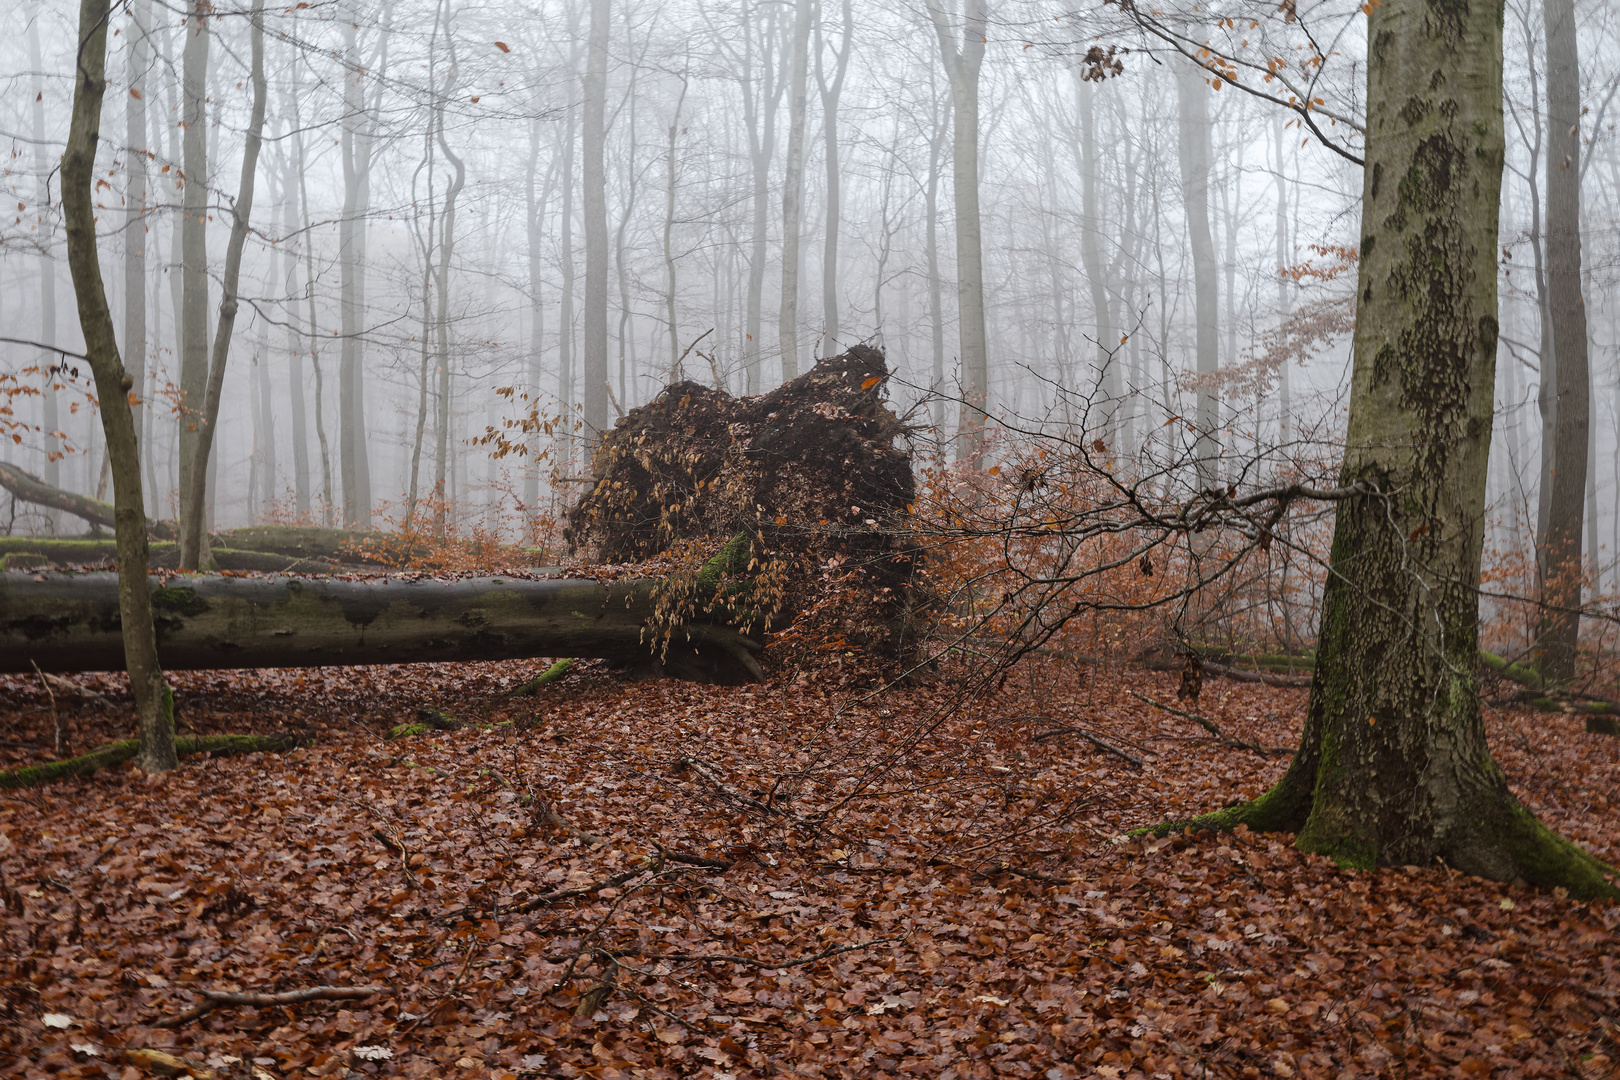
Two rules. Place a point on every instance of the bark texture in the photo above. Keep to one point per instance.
(1393, 767)
(193, 331)
(128, 603)
(1193, 154)
(962, 65)
(1565, 315)
(71, 622)
(194, 495)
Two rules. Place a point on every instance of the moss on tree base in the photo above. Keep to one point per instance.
(116, 753)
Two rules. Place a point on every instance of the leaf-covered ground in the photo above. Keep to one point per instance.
(657, 879)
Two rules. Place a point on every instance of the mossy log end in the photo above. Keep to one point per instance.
(70, 622)
(116, 753)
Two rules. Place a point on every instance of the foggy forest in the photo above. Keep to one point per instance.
(639, 538)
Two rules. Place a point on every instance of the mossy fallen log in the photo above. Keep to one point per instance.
(551, 674)
(1512, 670)
(116, 753)
(69, 622)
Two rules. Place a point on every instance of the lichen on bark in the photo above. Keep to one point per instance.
(1393, 766)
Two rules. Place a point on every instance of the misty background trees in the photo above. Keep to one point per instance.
(465, 212)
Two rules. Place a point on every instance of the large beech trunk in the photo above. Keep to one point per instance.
(70, 622)
(1393, 766)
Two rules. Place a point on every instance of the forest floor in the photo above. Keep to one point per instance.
(869, 887)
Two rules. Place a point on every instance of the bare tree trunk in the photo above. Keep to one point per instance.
(594, 180)
(353, 456)
(1393, 766)
(194, 496)
(1107, 363)
(426, 239)
(1284, 309)
(51, 421)
(632, 184)
(938, 127)
(266, 419)
(135, 212)
(1561, 544)
(669, 230)
(962, 65)
(153, 703)
(830, 93)
(194, 278)
(295, 345)
(759, 111)
(565, 317)
(328, 504)
(534, 219)
(787, 321)
(447, 246)
(1194, 154)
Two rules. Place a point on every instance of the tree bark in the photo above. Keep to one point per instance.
(295, 346)
(670, 172)
(831, 91)
(351, 266)
(962, 65)
(50, 419)
(195, 495)
(939, 123)
(1193, 153)
(135, 211)
(1393, 766)
(127, 607)
(29, 488)
(447, 245)
(759, 113)
(193, 269)
(594, 181)
(1284, 309)
(1560, 547)
(69, 622)
(1107, 364)
(787, 322)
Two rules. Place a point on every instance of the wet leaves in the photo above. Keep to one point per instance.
(859, 895)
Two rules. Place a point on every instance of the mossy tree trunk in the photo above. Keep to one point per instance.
(134, 609)
(1393, 767)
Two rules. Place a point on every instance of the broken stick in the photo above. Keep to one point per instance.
(215, 999)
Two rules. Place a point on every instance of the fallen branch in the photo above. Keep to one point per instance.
(556, 896)
(1090, 738)
(1226, 671)
(161, 1063)
(117, 753)
(1208, 725)
(551, 674)
(706, 771)
(1266, 677)
(682, 857)
(30, 488)
(214, 999)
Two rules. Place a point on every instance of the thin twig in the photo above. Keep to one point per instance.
(1208, 725)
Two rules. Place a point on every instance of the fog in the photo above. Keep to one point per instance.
(415, 275)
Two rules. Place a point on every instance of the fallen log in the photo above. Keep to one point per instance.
(69, 622)
(116, 753)
(29, 488)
